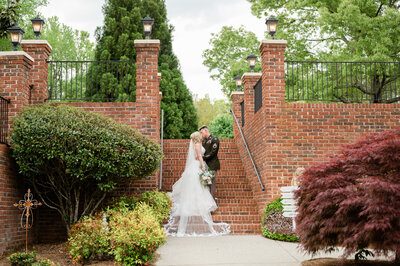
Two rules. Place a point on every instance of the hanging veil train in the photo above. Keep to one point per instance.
(193, 204)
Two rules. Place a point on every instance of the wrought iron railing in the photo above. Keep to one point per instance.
(4, 119)
(92, 81)
(248, 151)
(348, 82)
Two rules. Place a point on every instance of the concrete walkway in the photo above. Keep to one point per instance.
(232, 250)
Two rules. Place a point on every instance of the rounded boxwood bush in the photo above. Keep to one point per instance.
(275, 225)
(73, 157)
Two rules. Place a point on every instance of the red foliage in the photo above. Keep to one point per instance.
(353, 201)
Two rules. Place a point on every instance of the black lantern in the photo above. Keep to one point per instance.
(37, 24)
(16, 35)
(238, 81)
(272, 24)
(147, 25)
(252, 61)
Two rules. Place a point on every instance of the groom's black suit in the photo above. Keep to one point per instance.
(211, 146)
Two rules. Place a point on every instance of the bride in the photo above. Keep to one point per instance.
(192, 202)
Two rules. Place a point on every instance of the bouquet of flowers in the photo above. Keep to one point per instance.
(206, 177)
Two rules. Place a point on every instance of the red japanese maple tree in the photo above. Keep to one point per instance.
(353, 201)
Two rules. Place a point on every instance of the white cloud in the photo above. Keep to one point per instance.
(194, 21)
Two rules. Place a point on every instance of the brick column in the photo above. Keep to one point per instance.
(237, 99)
(273, 89)
(40, 51)
(249, 80)
(273, 73)
(15, 68)
(147, 87)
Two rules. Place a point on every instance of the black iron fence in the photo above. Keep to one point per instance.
(4, 119)
(348, 82)
(92, 81)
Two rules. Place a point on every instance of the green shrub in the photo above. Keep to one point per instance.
(73, 157)
(275, 226)
(135, 235)
(45, 262)
(124, 202)
(22, 258)
(88, 240)
(222, 126)
(28, 259)
(160, 202)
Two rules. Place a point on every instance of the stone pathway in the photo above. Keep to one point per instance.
(232, 250)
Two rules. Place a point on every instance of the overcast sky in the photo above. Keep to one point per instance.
(194, 21)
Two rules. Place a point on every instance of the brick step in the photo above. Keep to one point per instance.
(242, 229)
(220, 211)
(238, 201)
(221, 193)
(237, 219)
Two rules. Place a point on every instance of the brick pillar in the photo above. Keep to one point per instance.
(237, 99)
(273, 89)
(273, 73)
(40, 51)
(249, 81)
(15, 68)
(147, 87)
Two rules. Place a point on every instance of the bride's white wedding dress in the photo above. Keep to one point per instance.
(193, 204)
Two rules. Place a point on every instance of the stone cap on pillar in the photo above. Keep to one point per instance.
(154, 41)
(37, 42)
(252, 74)
(237, 93)
(16, 53)
(265, 41)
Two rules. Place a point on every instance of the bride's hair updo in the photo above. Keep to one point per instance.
(196, 137)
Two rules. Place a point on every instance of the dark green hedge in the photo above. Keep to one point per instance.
(65, 140)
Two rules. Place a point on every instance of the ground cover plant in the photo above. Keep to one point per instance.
(275, 225)
(73, 158)
(129, 230)
(352, 201)
(28, 258)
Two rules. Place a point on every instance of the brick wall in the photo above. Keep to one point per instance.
(284, 136)
(12, 190)
(22, 70)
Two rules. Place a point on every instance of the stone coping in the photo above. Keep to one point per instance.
(237, 93)
(147, 41)
(252, 74)
(16, 53)
(274, 41)
(37, 42)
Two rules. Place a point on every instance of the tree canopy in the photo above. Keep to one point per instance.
(208, 110)
(342, 30)
(115, 41)
(17, 11)
(227, 56)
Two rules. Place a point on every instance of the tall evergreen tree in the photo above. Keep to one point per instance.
(115, 41)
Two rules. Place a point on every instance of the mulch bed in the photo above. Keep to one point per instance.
(58, 253)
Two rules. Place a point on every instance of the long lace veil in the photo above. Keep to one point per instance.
(191, 155)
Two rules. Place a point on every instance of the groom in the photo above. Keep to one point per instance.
(211, 146)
